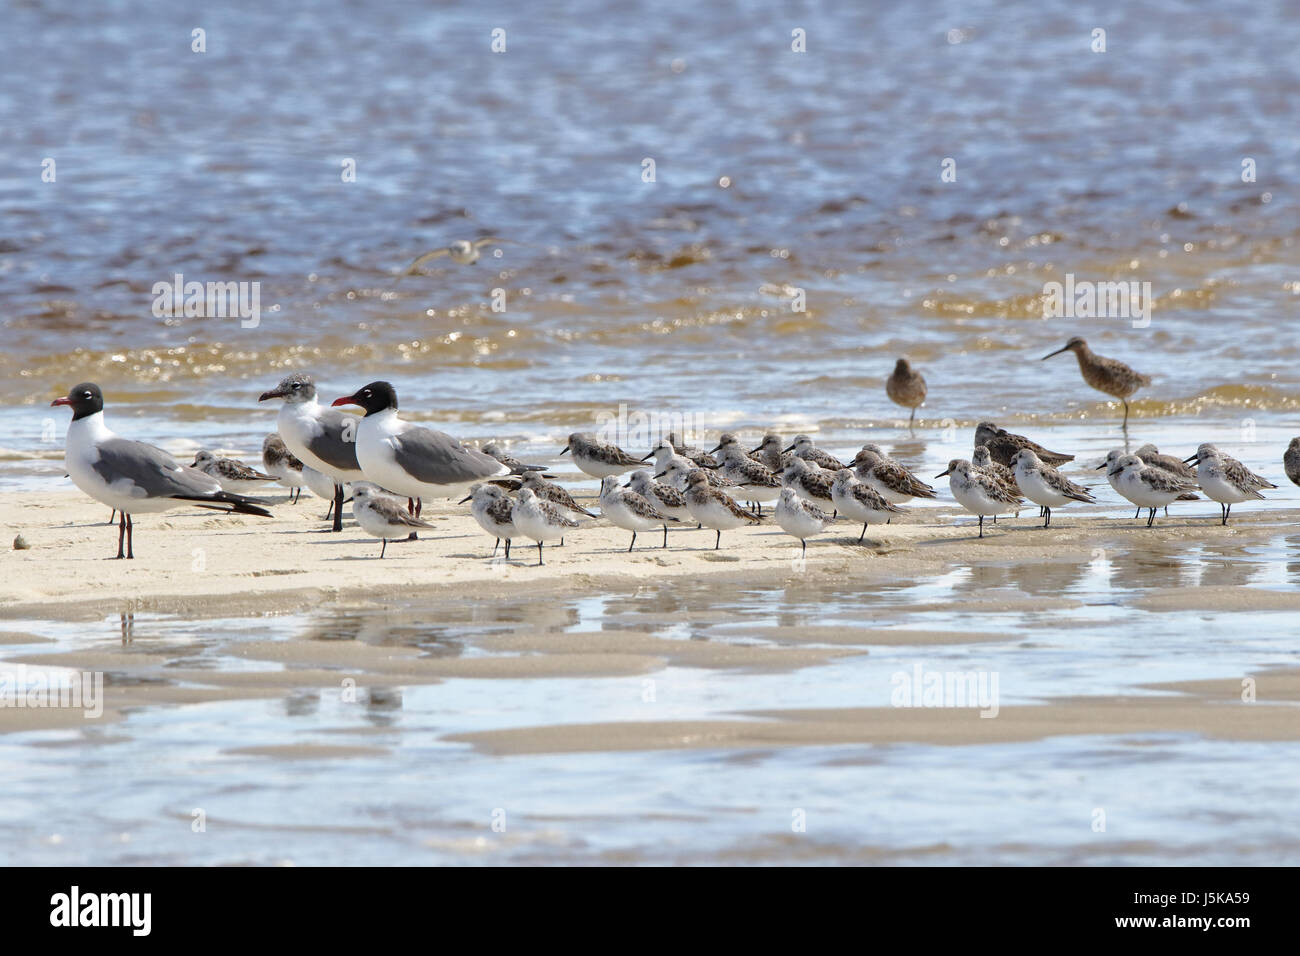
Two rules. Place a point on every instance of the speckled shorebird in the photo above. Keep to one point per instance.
(1044, 485)
(627, 510)
(1112, 466)
(1146, 486)
(540, 520)
(517, 467)
(857, 500)
(799, 518)
(663, 497)
(493, 509)
(598, 458)
(279, 461)
(382, 515)
(1150, 455)
(231, 473)
(1226, 480)
(769, 453)
(906, 386)
(1291, 461)
(1107, 375)
(755, 482)
(698, 455)
(887, 477)
(979, 493)
(674, 469)
(713, 508)
(803, 447)
(550, 491)
(1003, 445)
(813, 484)
(981, 460)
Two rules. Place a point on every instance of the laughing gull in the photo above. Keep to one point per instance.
(279, 461)
(323, 438)
(131, 476)
(231, 473)
(382, 515)
(409, 459)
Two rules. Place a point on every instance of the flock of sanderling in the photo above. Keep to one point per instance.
(377, 459)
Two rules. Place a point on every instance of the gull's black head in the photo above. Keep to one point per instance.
(375, 397)
(84, 399)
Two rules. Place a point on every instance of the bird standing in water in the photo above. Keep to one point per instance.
(906, 386)
(1107, 375)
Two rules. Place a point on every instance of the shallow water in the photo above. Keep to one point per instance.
(431, 801)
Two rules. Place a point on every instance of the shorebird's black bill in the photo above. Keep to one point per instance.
(1190, 459)
(944, 474)
(1057, 352)
(566, 448)
(661, 474)
(783, 450)
(714, 450)
(647, 457)
(465, 499)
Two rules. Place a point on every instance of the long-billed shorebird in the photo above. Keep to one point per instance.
(1147, 486)
(979, 493)
(1107, 375)
(713, 508)
(1291, 461)
(130, 476)
(1003, 445)
(382, 515)
(598, 458)
(493, 509)
(858, 500)
(1226, 480)
(800, 518)
(1045, 486)
(906, 386)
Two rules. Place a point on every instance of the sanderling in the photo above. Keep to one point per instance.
(769, 453)
(493, 509)
(812, 483)
(803, 447)
(630, 511)
(662, 497)
(279, 461)
(713, 508)
(982, 460)
(979, 493)
(755, 482)
(800, 518)
(1150, 455)
(1291, 461)
(382, 515)
(906, 386)
(130, 476)
(888, 478)
(1107, 375)
(858, 500)
(1003, 445)
(463, 252)
(1045, 486)
(516, 466)
(673, 468)
(540, 520)
(231, 473)
(1224, 479)
(1145, 486)
(698, 455)
(556, 495)
(598, 458)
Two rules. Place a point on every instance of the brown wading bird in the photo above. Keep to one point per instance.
(906, 386)
(1107, 375)
(1291, 461)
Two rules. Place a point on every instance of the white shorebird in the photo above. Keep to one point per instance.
(493, 509)
(550, 491)
(799, 518)
(1112, 468)
(669, 463)
(130, 476)
(598, 458)
(1226, 480)
(1145, 486)
(857, 500)
(713, 508)
(812, 483)
(322, 438)
(1044, 485)
(540, 520)
(409, 459)
(383, 515)
(463, 252)
(662, 497)
(231, 473)
(279, 461)
(803, 447)
(755, 482)
(1291, 461)
(769, 453)
(888, 478)
(979, 493)
(630, 511)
